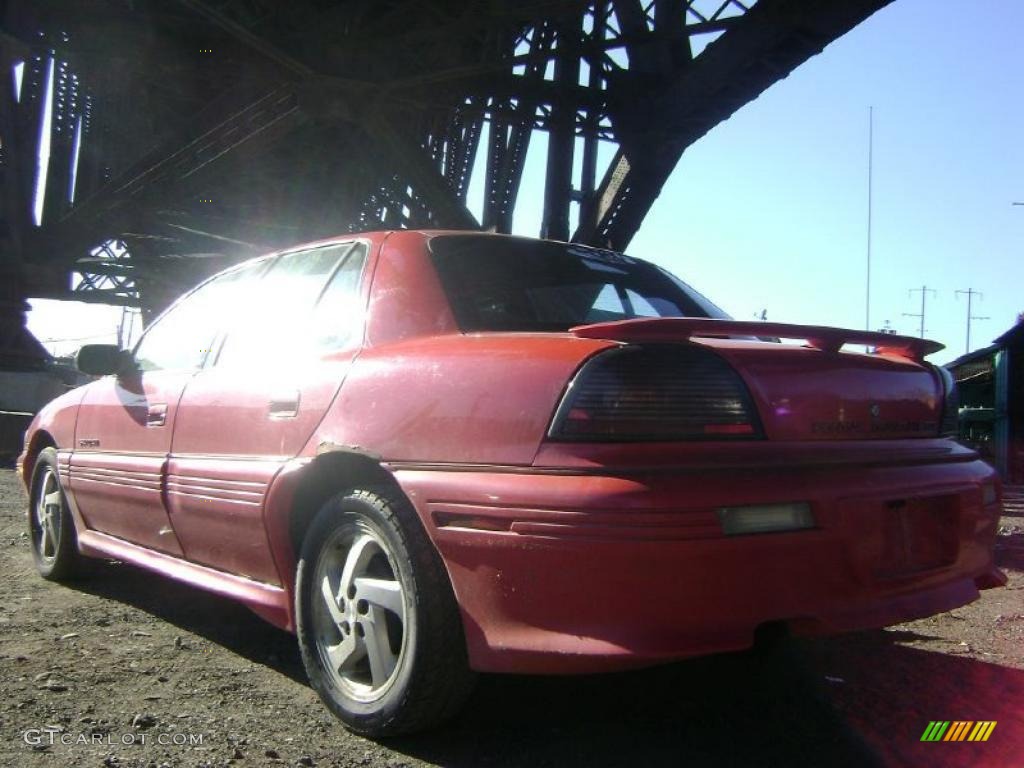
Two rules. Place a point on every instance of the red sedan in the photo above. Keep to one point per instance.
(432, 453)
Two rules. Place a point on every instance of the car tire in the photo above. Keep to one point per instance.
(378, 626)
(52, 533)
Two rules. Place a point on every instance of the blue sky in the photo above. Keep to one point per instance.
(768, 211)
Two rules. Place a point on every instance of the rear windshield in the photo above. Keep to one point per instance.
(496, 283)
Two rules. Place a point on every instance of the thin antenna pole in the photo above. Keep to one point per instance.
(867, 287)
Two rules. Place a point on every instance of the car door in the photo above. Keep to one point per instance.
(279, 367)
(125, 423)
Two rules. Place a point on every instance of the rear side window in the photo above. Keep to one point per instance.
(306, 304)
(337, 317)
(181, 338)
(514, 284)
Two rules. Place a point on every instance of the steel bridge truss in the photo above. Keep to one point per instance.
(186, 134)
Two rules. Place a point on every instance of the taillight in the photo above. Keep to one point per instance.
(656, 392)
(950, 425)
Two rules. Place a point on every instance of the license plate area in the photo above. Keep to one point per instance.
(918, 534)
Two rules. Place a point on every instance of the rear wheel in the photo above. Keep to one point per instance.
(51, 527)
(378, 626)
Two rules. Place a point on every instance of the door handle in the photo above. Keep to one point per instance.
(156, 415)
(284, 405)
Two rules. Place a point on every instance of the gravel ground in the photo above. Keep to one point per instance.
(129, 669)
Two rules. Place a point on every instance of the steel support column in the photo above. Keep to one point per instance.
(558, 188)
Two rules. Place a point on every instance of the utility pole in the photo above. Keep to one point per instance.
(970, 293)
(924, 290)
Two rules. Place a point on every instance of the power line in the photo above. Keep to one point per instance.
(970, 293)
(55, 340)
(924, 290)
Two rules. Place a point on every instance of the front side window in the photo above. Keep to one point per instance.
(499, 283)
(181, 338)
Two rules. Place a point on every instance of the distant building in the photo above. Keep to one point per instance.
(29, 378)
(991, 383)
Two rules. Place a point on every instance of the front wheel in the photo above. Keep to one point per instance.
(51, 527)
(378, 626)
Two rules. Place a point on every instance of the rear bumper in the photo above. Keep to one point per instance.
(573, 572)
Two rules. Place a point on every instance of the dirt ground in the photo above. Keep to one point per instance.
(128, 669)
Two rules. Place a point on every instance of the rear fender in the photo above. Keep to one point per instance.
(299, 490)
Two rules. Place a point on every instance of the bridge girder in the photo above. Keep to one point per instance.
(208, 130)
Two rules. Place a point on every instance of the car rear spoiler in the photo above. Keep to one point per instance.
(816, 336)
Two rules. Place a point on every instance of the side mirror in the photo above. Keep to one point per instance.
(100, 359)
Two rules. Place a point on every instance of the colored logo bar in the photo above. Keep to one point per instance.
(958, 730)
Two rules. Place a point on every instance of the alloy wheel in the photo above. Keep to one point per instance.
(48, 514)
(359, 618)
